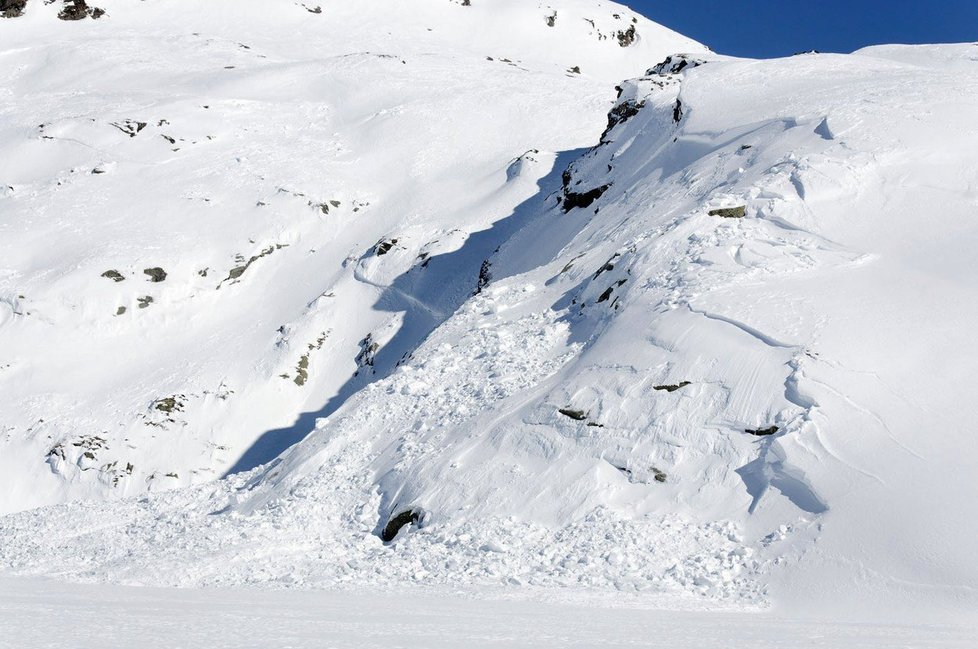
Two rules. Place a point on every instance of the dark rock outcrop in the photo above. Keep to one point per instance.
(156, 274)
(577, 415)
(675, 64)
(730, 212)
(12, 8)
(394, 525)
(79, 9)
(672, 388)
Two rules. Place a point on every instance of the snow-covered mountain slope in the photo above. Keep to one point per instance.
(221, 219)
(724, 355)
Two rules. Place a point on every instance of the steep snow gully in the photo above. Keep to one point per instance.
(706, 343)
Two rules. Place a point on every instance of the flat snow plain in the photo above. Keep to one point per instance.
(43, 614)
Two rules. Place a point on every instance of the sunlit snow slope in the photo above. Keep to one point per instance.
(724, 355)
(219, 216)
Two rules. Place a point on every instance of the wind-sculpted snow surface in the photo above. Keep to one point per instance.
(723, 357)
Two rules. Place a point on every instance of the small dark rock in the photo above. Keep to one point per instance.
(394, 525)
(730, 212)
(120, 310)
(12, 8)
(384, 246)
(762, 432)
(627, 37)
(672, 388)
(114, 275)
(144, 301)
(156, 274)
(577, 415)
(168, 405)
(621, 114)
(485, 276)
(302, 371)
(368, 352)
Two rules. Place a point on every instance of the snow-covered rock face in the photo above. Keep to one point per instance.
(220, 220)
(725, 351)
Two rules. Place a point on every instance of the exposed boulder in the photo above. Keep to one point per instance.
(675, 64)
(738, 212)
(156, 274)
(79, 9)
(577, 415)
(396, 523)
(672, 388)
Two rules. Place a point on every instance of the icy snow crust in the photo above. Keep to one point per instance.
(582, 420)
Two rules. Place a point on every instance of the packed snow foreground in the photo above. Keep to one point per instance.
(386, 293)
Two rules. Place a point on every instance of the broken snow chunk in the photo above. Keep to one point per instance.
(156, 274)
(672, 388)
(396, 523)
(577, 415)
(114, 275)
(762, 432)
(730, 212)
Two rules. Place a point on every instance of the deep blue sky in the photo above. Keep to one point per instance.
(768, 28)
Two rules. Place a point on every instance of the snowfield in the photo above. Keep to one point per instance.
(41, 614)
(369, 295)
